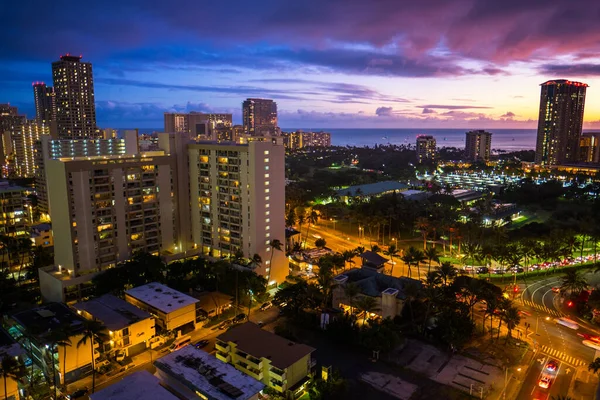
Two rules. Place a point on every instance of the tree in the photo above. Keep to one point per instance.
(23, 246)
(411, 293)
(275, 245)
(311, 219)
(367, 304)
(447, 272)
(351, 290)
(299, 297)
(91, 331)
(423, 226)
(391, 252)
(334, 388)
(320, 243)
(512, 319)
(432, 255)
(11, 369)
(375, 249)
(348, 256)
(572, 282)
(594, 366)
(61, 338)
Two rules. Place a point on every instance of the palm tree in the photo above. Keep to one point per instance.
(367, 304)
(61, 338)
(24, 248)
(91, 331)
(418, 258)
(375, 249)
(301, 218)
(512, 319)
(359, 250)
(408, 259)
(311, 219)
(348, 256)
(11, 368)
(391, 252)
(572, 282)
(351, 290)
(447, 272)
(275, 245)
(561, 397)
(503, 305)
(411, 293)
(432, 255)
(594, 365)
(422, 225)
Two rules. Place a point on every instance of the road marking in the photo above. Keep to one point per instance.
(572, 361)
(542, 308)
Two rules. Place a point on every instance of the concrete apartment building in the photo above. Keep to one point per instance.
(238, 201)
(174, 311)
(426, 148)
(194, 374)
(260, 117)
(277, 362)
(14, 215)
(140, 385)
(24, 139)
(129, 328)
(35, 328)
(107, 208)
(478, 145)
(197, 124)
(10, 348)
(53, 149)
(299, 139)
(41, 235)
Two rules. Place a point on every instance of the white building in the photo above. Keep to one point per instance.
(192, 373)
(238, 201)
(173, 310)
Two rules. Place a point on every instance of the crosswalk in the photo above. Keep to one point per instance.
(542, 308)
(562, 356)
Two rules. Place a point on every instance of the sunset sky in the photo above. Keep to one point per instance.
(327, 63)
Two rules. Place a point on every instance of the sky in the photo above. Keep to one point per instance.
(327, 63)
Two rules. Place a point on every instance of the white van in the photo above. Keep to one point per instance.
(180, 342)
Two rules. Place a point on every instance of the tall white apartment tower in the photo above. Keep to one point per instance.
(238, 201)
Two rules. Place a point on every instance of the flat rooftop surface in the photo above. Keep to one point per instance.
(41, 320)
(202, 372)
(369, 189)
(114, 312)
(161, 297)
(140, 385)
(257, 342)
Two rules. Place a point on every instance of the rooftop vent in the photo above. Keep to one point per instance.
(391, 291)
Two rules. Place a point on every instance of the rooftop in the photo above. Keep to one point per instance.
(372, 283)
(140, 385)
(114, 312)
(373, 258)
(259, 343)
(41, 227)
(210, 300)
(204, 373)
(371, 189)
(42, 320)
(161, 297)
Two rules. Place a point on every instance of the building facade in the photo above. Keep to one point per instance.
(24, 139)
(14, 214)
(260, 117)
(45, 103)
(560, 122)
(478, 145)
(426, 149)
(197, 124)
(238, 202)
(589, 147)
(75, 103)
(277, 362)
(299, 139)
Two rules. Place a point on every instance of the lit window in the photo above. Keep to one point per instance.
(268, 262)
(267, 212)
(267, 198)
(267, 242)
(267, 205)
(266, 152)
(267, 228)
(267, 220)
(267, 190)
(266, 175)
(268, 249)
(266, 160)
(266, 167)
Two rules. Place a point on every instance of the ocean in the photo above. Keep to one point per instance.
(503, 139)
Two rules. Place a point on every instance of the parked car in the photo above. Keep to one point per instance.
(266, 306)
(499, 271)
(226, 324)
(78, 393)
(260, 324)
(239, 318)
(201, 344)
(120, 356)
(483, 270)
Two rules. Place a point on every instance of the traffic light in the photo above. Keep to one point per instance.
(516, 289)
(570, 304)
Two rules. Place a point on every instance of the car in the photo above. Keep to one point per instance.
(483, 270)
(556, 289)
(120, 356)
(201, 344)
(78, 393)
(225, 324)
(517, 270)
(592, 344)
(266, 306)
(499, 271)
(544, 383)
(552, 366)
(524, 313)
(239, 318)
(260, 324)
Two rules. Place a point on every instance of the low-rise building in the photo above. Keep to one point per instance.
(214, 303)
(371, 190)
(387, 290)
(372, 260)
(39, 330)
(129, 328)
(140, 385)
(279, 363)
(9, 348)
(172, 310)
(192, 373)
(14, 215)
(41, 235)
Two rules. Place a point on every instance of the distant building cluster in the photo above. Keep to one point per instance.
(300, 139)
(426, 149)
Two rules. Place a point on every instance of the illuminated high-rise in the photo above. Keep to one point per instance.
(260, 117)
(426, 148)
(478, 145)
(45, 103)
(75, 107)
(560, 122)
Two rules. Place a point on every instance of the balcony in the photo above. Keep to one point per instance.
(250, 370)
(225, 357)
(278, 374)
(223, 347)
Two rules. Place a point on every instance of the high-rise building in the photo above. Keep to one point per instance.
(300, 139)
(14, 214)
(74, 91)
(45, 103)
(238, 201)
(202, 125)
(478, 145)
(260, 117)
(53, 149)
(560, 122)
(589, 148)
(10, 120)
(23, 139)
(426, 148)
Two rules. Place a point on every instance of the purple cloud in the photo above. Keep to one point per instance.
(450, 106)
(428, 111)
(571, 70)
(509, 114)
